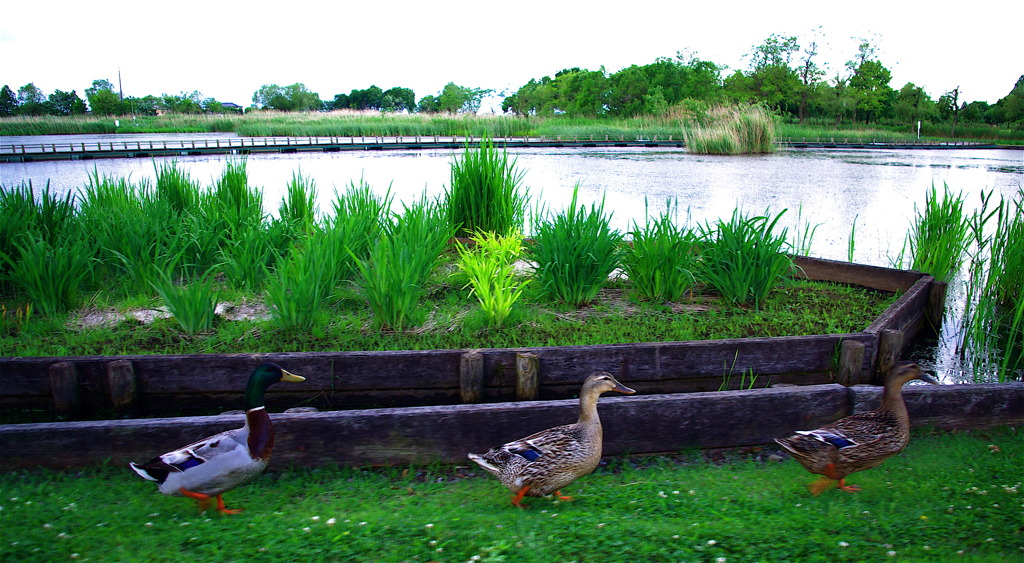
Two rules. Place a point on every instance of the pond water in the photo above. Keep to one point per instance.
(870, 194)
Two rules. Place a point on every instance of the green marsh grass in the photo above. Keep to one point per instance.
(739, 130)
(392, 277)
(490, 268)
(486, 192)
(175, 187)
(50, 274)
(192, 304)
(743, 258)
(938, 238)
(575, 251)
(661, 260)
(947, 497)
(298, 208)
(299, 286)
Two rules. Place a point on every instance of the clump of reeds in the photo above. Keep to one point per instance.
(486, 192)
(193, 304)
(490, 267)
(393, 275)
(661, 258)
(938, 239)
(744, 257)
(736, 130)
(575, 251)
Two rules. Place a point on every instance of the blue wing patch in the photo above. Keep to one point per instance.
(840, 442)
(529, 454)
(188, 463)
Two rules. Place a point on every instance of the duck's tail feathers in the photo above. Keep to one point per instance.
(142, 471)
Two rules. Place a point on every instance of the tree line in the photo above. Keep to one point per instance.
(103, 99)
(783, 75)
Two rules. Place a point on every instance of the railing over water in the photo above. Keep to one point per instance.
(231, 144)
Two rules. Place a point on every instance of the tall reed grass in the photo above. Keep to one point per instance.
(744, 257)
(661, 260)
(486, 192)
(193, 305)
(738, 130)
(49, 273)
(393, 276)
(938, 238)
(575, 251)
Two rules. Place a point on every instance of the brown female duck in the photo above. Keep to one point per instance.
(545, 462)
(860, 441)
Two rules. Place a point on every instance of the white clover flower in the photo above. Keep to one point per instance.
(331, 522)
(844, 544)
(891, 553)
(306, 529)
(149, 524)
(315, 518)
(712, 542)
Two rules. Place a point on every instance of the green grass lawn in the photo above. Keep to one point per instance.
(947, 497)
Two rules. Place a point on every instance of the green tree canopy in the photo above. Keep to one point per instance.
(65, 103)
(103, 100)
(8, 101)
(295, 97)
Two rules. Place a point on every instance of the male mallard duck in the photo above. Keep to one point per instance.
(212, 466)
(545, 462)
(860, 441)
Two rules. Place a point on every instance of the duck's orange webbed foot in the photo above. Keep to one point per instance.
(848, 488)
(562, 498)
(204, 501)
(519, 497)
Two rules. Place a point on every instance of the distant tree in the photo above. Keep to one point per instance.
(31, 100)
(8, 101)
(871, 91)
(974, 112)
(340, 101)
(295, 97)
(460, 99)
(428, 104)
(147, 105)
(810, 78)
(103, 100)
(1010, 109)
(913, 104)
(65, 103)
(398, 99)
(949, 108)
(629, 87)
(182, 103)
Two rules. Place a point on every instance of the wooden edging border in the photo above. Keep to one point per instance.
(336, 380)
(644, 424)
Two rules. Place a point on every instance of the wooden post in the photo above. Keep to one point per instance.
(936, 305)
(64, 385)
(851, 362)
(471, 376)
(527, 365)
(123, 386)
(890, 346)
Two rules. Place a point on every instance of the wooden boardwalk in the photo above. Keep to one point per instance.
(29, 152)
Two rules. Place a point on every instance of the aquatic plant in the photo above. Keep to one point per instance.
(486, 192)
(744, 257)
(575, 251)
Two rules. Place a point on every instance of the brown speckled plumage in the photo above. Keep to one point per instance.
(860, 441)
(545, 462)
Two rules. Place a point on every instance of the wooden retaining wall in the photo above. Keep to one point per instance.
(339, 380)
(639, 424)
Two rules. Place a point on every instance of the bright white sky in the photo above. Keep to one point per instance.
(228, 50)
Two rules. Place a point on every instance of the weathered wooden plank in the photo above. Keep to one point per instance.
(949, 407)
(634, 425)
(873, 277)
(648, 424)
